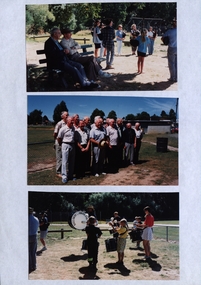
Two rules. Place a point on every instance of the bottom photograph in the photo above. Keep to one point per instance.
(103, 236)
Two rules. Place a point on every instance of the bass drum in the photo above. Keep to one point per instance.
(78, 220)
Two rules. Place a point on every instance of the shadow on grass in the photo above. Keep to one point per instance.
(89, 273)
(137, 248)
(154, 265)
(118, 269)
(73, 258)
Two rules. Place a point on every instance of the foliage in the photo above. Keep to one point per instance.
(95, 113)
(112, 115)
(155, 117)
(35, 117)
(57, 111)
(164, 115)
(130, 117)
(143, 116)
(37, 17)
(172, 115)
(164, 206)
(79, 16)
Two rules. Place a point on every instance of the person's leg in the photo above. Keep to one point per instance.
(172, 63)
(65, 155)
(118, 48)
(148, 249)
(108, 57)
(101, 51)
(112, 55)
(142, 64)
(131, 153)
(71, 161)
(139, 64)
(58, 158)
(32, 252)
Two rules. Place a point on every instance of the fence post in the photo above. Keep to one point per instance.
(62, 233)
(84, 40)
(166, 233)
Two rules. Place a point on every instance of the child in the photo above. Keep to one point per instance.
(121, 241)
(138, 230)
(93, 233)
(142, 49)
(120, 36)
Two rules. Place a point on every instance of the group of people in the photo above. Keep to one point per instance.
(34, 224)
(64, 54)
(141, 41)
(120, 233)
(97, 148)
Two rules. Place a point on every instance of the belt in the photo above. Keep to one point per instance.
(68, 142)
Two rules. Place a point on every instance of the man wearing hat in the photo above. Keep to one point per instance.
(98, 139)
(33, 230)
(172, 50)
(57, 58)
(92, 68)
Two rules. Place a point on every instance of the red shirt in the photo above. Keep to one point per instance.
(149, 220)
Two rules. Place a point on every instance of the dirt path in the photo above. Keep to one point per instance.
(155, 76)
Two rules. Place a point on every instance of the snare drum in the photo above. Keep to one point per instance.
(111, 244)
(78, 220)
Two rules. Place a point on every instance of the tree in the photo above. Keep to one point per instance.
(45, 120)
(37, 17)
(143, 116)
(164, 115)
(95, 113)
(35, 117)
(155, 117)
(172, 115)
(112, 115)
(130, 117)
(57, 111)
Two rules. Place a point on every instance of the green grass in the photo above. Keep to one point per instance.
(172, 138)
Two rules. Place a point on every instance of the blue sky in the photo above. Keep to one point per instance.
(84, 105)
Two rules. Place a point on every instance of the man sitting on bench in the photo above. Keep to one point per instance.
(57, 59)
(92, 68)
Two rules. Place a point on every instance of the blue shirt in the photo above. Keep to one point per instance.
(33, 225)
(143, 45)
(97, 134)
(172, 34)
(119, 33)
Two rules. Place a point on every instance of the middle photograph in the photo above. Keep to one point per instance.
(102, 140)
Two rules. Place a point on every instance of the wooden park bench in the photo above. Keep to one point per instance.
(58, 72)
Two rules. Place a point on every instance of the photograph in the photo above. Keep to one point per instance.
(103, 236)
(83, 140)
(80, 47)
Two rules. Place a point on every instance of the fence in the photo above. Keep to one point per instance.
(160, 231)
(167, 232)
(40, 37)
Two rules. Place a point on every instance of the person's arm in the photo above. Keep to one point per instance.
(94, 141)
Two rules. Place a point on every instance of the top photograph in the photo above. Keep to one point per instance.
(101, 47)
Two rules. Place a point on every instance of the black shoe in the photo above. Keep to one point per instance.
(93, 85)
